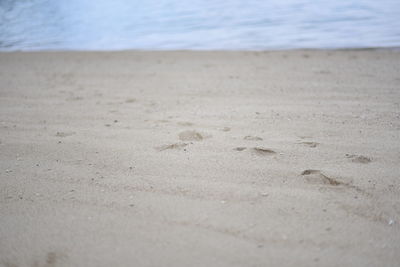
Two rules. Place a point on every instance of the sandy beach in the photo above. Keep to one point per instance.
(280, 158)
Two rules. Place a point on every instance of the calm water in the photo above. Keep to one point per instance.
(197, 24)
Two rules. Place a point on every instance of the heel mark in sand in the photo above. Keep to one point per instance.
(241, 148)
(316, 176)
(310, 144)
(192, 136)
(185, 123)
(130, 100)
(171, 146)
(64, 134)
(252, 138)
(263, 151)
(359, 158)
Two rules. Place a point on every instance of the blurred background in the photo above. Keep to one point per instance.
(197, 24)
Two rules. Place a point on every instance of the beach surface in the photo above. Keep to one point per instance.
(284, 158)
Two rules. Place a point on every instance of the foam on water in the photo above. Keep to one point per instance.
(197, 24)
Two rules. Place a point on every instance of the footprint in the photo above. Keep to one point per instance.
(305, 136)
(252, 138)
(310, 144)
(185, 123)
(191, 136)
(241, 148)
(64, 134)
(359, 158)
(51, 260)
(226, 129)
(323, 72)
(74, 98)
(130, 100)
(162, 121)
(263, 151)
(172, 146)
(317, 177)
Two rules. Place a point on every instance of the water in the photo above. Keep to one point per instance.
(197, 24)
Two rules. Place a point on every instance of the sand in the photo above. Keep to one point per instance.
(285, 158)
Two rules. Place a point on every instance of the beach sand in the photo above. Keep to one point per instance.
(284, 158)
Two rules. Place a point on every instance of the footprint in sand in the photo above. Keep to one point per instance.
(310, 144)
(358, 158)
(130, 100)
(171, 146)
(64, 134)
(161, 121)
(317, 177)
(185, 123)
(241, 148)
(74, 98)
(263, 151)
(192, 136)
(252, 138)
(323, 72)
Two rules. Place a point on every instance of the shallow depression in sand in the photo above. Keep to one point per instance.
(191, 136)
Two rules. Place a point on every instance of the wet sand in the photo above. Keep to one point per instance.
(286, 158)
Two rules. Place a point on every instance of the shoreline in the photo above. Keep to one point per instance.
(344, 49)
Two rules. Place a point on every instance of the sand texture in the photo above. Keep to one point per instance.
(286, 158)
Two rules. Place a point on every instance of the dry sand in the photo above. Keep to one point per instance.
(287, 158)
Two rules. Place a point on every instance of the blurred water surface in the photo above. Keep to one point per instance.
(197, 24)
